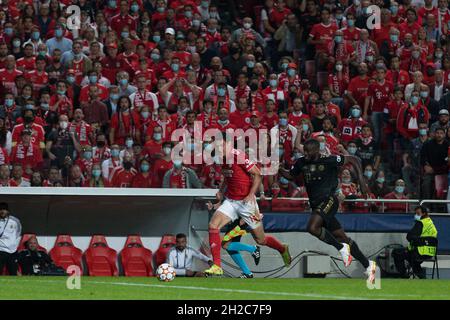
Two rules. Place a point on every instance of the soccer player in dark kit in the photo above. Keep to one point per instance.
(321, 180)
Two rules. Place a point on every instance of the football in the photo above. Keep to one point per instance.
(165, 272)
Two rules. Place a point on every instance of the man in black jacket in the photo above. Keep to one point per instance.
(32, 260)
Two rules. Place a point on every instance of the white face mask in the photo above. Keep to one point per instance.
(247, 25)
(63, 125)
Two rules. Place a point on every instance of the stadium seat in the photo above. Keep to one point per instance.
(100, 258)
(25, 238)
(136, 260)
(441, 183)
(65, 254)
(167, 242)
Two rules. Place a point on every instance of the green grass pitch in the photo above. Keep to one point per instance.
(122, 288)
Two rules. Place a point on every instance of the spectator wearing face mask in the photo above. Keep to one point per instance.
(37, 130)
(379, 186)
(162, 165)
(350, 128)
(96, 179)
(85, 161)
(327, 132)
(398, 193)
(367, 150)
(100, 151)
(26, 152)
(144, 178)
(409, 116)
(109, 165)
(181, 177)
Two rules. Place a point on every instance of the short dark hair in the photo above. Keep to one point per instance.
(4, 206)
(423, 209)
(180, 236)
(312, 144)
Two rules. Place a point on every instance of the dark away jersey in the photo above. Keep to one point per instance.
(320, 176)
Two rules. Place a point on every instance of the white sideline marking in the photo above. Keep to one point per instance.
(306, 295)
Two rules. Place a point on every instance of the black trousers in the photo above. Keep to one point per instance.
(10, 261)
(401, 255)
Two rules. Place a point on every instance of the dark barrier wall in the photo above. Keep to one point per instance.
(363, 222)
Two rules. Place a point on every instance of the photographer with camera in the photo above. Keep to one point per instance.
(10, 230)
(37, 262)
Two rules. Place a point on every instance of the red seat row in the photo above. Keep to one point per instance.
(135, 259)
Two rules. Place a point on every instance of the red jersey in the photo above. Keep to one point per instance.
(27, 156)
(26, 64)
(65, 105)
(351, 35)
(324, 32)
(4, 157)
(350, 128)
(395, 207)
(358, 88)
(270, 121)
(7, 78)
(240, 120)
(237, 176)
(296, 118)
(140, 181)
(130, 125)
(37, 80)
(122, 178)
(400, 78)
(159, 170)
(102, 93)
(330, 140)
(212, 176)
(380, 93)
(37, 136)
(168, 127)
(184, 56)
(119, 21)
(338, 85)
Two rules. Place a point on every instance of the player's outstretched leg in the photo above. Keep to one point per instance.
(218, 220)
(270, 241)
(369, 265)
(316, 228)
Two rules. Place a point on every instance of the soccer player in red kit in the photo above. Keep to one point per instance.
(242, 180)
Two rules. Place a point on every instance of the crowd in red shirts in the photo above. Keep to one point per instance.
(98, 105)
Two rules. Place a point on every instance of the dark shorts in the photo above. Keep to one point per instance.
(327, 210)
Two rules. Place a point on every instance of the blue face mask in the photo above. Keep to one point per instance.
(338, 39)
(291, 72)
(273, 83)
(9, 102)
(283, 122)
(45, 106)
(356, 113)
(157, 136)
(156, 39)
(125, 34)
(93, 79)
(414, 100)
(322, 146)
(115, 153)
(177, 163)
(35, 35)
(88, 155)
(368, 174)
(9, 31)
(399, 189)
(61, 92)
(145, 114)
(221, 92)
(96, 173)
(58, 33)
(350, 23)
(155, 56)
(394, 9)
(188, 14)
(352, 150)
(112, 4)
(417, 217)
(305, 127)
(250, 64)
(145, 167)
(123, 82)
(205, 4)
(29, 107)
(114, 96)
(380, 180)
(161, 9)
(196, 23)
(129, 143)
(423, 132)
(70, 79)
(284, 66)
(283, 180)
(134, 8)
(394, 37)
(424, 94)
(175, 67)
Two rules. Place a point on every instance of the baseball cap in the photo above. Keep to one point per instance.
(170, 31)
(443, 111)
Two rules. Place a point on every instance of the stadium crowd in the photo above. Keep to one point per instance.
(96, 106)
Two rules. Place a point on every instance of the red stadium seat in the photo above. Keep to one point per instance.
(136, 260)
(100, 258)
(287, 205)
(65, 254)
(167, 242)
(25, 238)
(441, 184)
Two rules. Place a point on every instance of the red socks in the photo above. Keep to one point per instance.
(273, 243)
(215, 244)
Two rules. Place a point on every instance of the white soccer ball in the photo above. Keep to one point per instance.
(165, 272)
